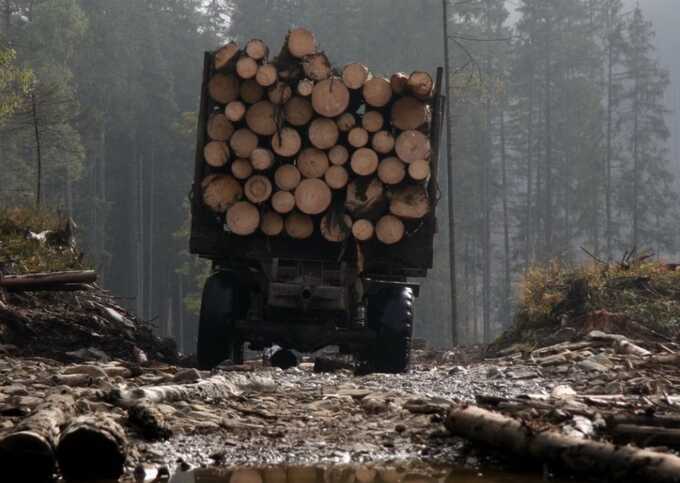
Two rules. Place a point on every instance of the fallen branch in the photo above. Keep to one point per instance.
(48, 279)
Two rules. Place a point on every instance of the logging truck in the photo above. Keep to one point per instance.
(314, 198)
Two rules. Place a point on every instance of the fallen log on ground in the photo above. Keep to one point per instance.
(53, 278)
(518, 440)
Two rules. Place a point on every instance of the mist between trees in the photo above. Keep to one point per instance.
(559, 137)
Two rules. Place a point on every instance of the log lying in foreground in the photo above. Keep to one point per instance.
(49, 278)
(517, 440)
(29, 452)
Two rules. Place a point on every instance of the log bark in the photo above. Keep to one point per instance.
(323, 133)
(358, 137)
(287, 177)
(261, 159)
(335, 228)
(219, 127)
(365, 198)
(338, 155)
(346, 122)
(92, 448)
(312, 162)
(216, 154)
(251, 92)
(271, 224)
(305, 87)
(391, 171)
(373, 121)
(627, 347)
(301, 42)
(286, 142)
(646, 436)
(517, 440)
(383, 142)
(220, 192)
(312, 196)
(216, 388)
(260, 118)
(377, 92)
(364, 161)
(419, 170)
(355, 75)
(399, 83)
(243, 218)
(336, 177)
(298, 111)
(390, 230)
(283, 202)
(410, 202)
(257, 49)
(149, 422)
(246, 68)
(49, 278)
(280, 93)
(235, 111)
(363, 230)
(258, 189)
(421, 84)
(241, 169)
(223, 88)
(330, 97)
(299, 226)
(409, 113)
(317, 67)
(412, 146)
(28, 453)
(267, 75)
(225, 54)
(243, 142)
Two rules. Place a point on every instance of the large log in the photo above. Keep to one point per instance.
(391, 171)
(409, 113)
(261, 159)
(355, 75)
(286, 142)
(312, 163)
(298, 111)
(346, 122)
(412, 146)
(364, 161)
(220, 192)
(261, 118)
(271, 224)
(301, 42)
(336, 177)
(287, 177)
(377, 92)
(410, 202)
(365, 198)
(335, 228)
(330, 97)
(216, 154)
(235, 111)
(312, 196)
(383, 142)
(299, 226)
(246, 68)
(223, 88)
(92, 448)
(225, 54)
(358, 137)
(241, 168)
(519, 441)
(280, 93)
(243, 218)
(323, 133)
(372, 121)
(267, 75)
(283, 202)
(257, 49)
(243, 142)
(219, 127)
(338, 155)
(390, 230)
(49, 278)
(317, 67)
(251, 92)
(258, 189)
(363, 230)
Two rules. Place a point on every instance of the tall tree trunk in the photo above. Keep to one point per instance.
(608, 154)
(38, 148)
(636, 154)
(548, 206)
(506, 224)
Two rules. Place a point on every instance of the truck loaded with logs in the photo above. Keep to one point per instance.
(314, 197)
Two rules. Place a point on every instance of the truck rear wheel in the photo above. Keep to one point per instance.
(224, 302)
(390, 314)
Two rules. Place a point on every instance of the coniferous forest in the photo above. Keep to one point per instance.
(558, 134)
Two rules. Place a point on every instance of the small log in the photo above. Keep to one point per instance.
(412, 146)
(355, 76)
(298, 111)
(49, 278)
(258, 189)
(346, 122)
(358, 137)
(409, 113)
(305, 87)
(399, 83)
(251, 92)
(223, 88)
(261, 118)
(334, 228)
(338, 155)
(336, 177)
(220, 192)
(216, 154)
(363, 230)
(286, 142)
(225, 54)
(219, 127)
(377, 92)
(330, 97)
(267, 75)
(149, 422)
(257, 49)
(364, 161)
(646, 436)
(323, 133)
(373, 121)
(301, 42)
(279, 93)
(312, 196)
(261, 159)
(419, 170)
(518, 441)
(317, 67)
(383, 142)
(299, 226)
(365, 198)
(421, 84)
(287, 177)
(390, 230)
(283, 202)
(627, 347)
(410, 202)
(92, 448)
(243, 142)
(216, 388)
(241, 169)
(243, 218)
(235, 111)
(391, 171)
(271, 224)
(246, 68)
(312, 162)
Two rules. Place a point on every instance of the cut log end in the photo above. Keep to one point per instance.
(235, 111)
(257, 49)
(266, 75)
(410, 202)
(261, 159)
(399, 83)
(220, 192)
(336, 177)
(216, 154)
(317, 67)
(330, 97)
(312, 196)
(301, 42)
(283, 202)
(391, 171)
(271, 224)
(358, 137)
(338, 155)
(419, 170)
(287, 142)
(299, 226)
(261, 118)
(219, 127)
(363, 230)
(243, 218)
(364, 199)
(312, 163)
(421, 84)
(355, 75)
(373, 121)
(390, 230)
(305, 87)
(258, 189)
(383, 142)
(364, 161)
(241, 169)
(280, 93)
(223, 88)
(412, 146)
(243, 142)
(336, 228)
(409, 113)
(323, 133)
(377, 92)
(287, 177)
(298, 111)
(251, 92)
(346, 122)
(225, 54)
(246, 68)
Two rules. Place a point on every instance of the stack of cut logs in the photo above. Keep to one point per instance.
(293, 144)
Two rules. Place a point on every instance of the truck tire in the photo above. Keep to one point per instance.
(224, 302)
(390, 315)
